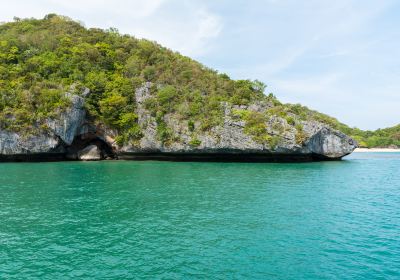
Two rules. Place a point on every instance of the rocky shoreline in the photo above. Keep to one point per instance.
(75, 136)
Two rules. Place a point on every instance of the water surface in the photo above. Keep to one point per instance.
(168, 220)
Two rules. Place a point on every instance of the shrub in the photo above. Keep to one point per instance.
(256, 127)
(194, 142)
(290, 120)
(191, 125)
(111, 108)
(149, 73)
(300, 136)
(164, 133)
(166, 95)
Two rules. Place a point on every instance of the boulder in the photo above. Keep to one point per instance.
(330, 143)
(90, 153)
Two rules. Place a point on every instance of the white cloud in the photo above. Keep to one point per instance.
(207, 27)
(134, 8)
(188, 27)
(190, 33)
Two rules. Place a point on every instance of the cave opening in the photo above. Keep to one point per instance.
(82, 142)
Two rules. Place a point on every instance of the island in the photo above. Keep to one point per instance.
(72, 93)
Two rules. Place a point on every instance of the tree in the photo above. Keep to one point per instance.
(111, 108)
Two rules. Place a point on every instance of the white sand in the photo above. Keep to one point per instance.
(376, 150)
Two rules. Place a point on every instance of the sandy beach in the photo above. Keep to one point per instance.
(376, 150)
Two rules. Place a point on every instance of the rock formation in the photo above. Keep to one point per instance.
(73, 136)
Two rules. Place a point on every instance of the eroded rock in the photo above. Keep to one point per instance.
(331, 143)
(320, 141)
(76, 137)
(67, 124)
(90, 153)
(12, 143)
(60, 133)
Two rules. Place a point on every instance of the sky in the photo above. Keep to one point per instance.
(339, 57)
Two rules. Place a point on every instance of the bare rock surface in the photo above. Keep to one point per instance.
(330, 143)
(73, 131)
(12, 143)
(321, 141)
(66, 126)
(60, 134)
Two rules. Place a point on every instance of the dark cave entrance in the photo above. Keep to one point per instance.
(84, 140)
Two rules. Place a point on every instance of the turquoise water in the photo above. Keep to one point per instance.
(166, 220)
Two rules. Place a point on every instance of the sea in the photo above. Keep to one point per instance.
(197, 220)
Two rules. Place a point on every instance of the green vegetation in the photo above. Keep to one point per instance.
(256, 126)
(378, 138)
(300, 135)
(368, 139)
(195, 142)
(42, 59)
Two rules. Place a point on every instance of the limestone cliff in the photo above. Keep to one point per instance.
(73, 135)
(49, 143)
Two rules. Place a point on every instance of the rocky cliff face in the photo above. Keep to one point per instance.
(321, 142)
(51, 143)
(73, 136)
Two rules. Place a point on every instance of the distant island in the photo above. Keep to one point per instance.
(72, 93)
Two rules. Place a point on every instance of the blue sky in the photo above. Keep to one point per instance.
(339, 57)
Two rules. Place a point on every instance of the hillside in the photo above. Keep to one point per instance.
(387, 137)
(132, 88)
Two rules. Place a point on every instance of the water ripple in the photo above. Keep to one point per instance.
(158, 220)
